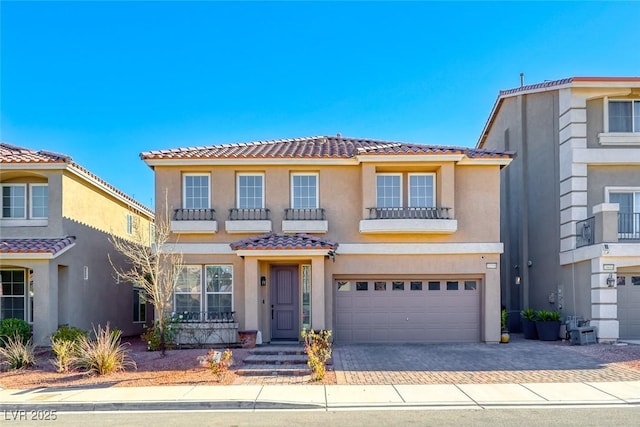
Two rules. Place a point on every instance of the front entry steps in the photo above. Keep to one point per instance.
(281, 359)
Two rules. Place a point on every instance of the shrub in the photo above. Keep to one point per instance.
(64, 344)
(152, 336)
(529, 314)
(317, 345)
(66, 333)
(217, 362)
(547, 316)
(18, 354)
(13, 327)
(503, 319)
(104, 354)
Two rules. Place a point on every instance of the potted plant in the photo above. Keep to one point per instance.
(529, 324)
(504, 336)
(548, 325)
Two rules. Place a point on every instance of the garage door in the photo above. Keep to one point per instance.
(393, 311)
(629, 305)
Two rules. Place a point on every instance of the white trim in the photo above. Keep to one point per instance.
(26, 198)
(615, 189)
(433, 188)
(184, 188)
(282, 252)
(198, 248)
(8, 222)
(314, 161)
(619, 138)
(587, 253)
(603, 156)
(419, 248)
(262, 195)
(606, 207)
(411, 158)
(393, 226)
(401, 193)
(314, 174)
(605, 114)
(469, 161)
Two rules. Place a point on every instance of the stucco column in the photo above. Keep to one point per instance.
(604, 302)
(251, 293)
(606, 222)
(317, 293)
(492, 308)
(45, 301)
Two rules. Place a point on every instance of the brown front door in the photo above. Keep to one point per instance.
(284, 302)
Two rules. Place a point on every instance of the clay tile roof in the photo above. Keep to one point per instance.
(310, 147)
(35, 246)
(14, 154)
(274, 241)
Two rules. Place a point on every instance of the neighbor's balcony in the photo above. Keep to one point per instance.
(194, 221)
(305, 221)
(248, 221)
(431, 220)
(607, 228)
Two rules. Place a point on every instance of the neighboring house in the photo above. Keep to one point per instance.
(377, 241)
(571, 199)
(55, 224)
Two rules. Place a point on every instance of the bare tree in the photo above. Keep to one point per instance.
(151, 266)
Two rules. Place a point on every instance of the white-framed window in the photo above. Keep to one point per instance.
(388, 190)
(15, 298)
(188, 291)
(129, 224)
(196, 191)
(139, 305)
(624, 116)
(304, 191)
(39, 201)
(250, 191)
(219, 289)
(628, 200)
(422, 193)
(14, 201)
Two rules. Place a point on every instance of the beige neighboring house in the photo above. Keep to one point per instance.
(378, 241)
(54, 229)
(571, 199)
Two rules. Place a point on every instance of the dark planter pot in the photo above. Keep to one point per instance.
(529, 329)
(548, 330)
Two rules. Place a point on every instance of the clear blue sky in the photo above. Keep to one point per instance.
(104, 81)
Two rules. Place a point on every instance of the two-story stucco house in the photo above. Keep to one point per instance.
(377, 241)
(54, 244)
(571, 199)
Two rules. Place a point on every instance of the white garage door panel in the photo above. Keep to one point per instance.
(405, 314)
(629, 305)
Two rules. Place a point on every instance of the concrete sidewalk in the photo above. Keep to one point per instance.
(322, 397)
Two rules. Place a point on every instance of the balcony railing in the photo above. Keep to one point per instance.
(316, 214)
(203, 317)
(585, 232)
(237, 214)
(194, 215)
(628, 226)
(409, 213)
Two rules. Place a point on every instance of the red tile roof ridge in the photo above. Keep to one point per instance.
(36, 245)
(274, 241)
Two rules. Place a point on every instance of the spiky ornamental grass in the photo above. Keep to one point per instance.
(17, 354)
(103, 355)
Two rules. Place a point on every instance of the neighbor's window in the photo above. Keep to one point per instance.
(187, 295)
(13, 295)
(250, 191)
(39, 200)
(129, 224)
(196, 191)
(421, 190)
(219, 289)
(304, 191)
(388, 190)
(629, 213)
(624, 116)
(14, 201)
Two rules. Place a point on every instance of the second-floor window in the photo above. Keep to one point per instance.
(22, 201)
(304, 191)
(624, 116)
(421, 194)
(420, 190)
(389, 190)
(250, 191)
(129, 224)
(196, 191)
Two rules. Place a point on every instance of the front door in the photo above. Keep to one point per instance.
(284, 302)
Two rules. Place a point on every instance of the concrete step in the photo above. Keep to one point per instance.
(276, 359)
(271, 370)
(279, 350)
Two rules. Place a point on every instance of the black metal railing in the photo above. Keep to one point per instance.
(203, 317)
(194, 215)
(409, 213)
(628, 226)
(315, 214)
(237, 214)
(585, 232)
